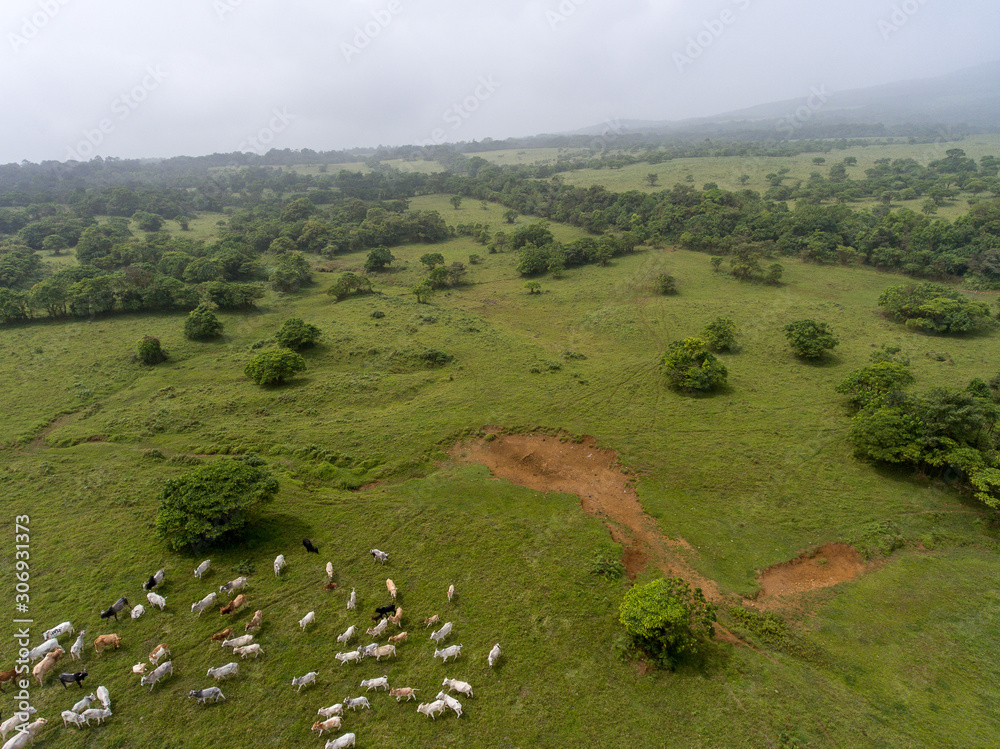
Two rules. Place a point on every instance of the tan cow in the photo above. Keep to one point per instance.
(408, 692)
(258, 618)
(42, 669)
(223, 635)
(233, 605)
(391, 587)
(397, 617)
(158, 652)
(103, 641)
(396, 639)
(332, 724)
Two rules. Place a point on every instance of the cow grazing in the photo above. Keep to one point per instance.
(16, 720)
(84, 703)
(238, 642)
(396, 639)
(58, 631)
(104, 696)
(43, 667)
(379, 556)
(157, 673)
(212, 693)
(305, 680)
(202, 568)
(75, 678)
(113, 609)
(397, 617)
(385, 650)
(158, 652)
(255, 621)
(309, 546)
(451, 702)
(347, 634)
(76, 652)
(367, 650)
(356, 702)
(138, 610)
(95, 713)
(233, 585)
(46, 647)
(382, 611)
(441, 633)
(329, 570)
(156, 600)
(343, 742)
(329, 712)
(452, 652)
(205, 603)
(308, 619)
(451, 592)
(233, 605)
(330, 586)
(400, 692)
(431, 709)
(352, 600)
(6, 676)
(391, 587)
(224, 672)
(104, 641)
(71, 717)
(246, 650)
(139, 668)
(279, 564)
(33, 729)
(370, 684)
(494, 655)
(351, 656)
(431, 620)
(154, 580)
(223, 635)
(378, 629)
(330, 724)
(462, 687)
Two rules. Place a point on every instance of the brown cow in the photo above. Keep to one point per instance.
(399, 638)
(330, 586)
(158, 652)
(233, 605)
(7, 676)
(41, 670)
(258, 618)
(104, 640)
(223, 635)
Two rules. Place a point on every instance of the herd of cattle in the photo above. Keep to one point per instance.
(81, 713)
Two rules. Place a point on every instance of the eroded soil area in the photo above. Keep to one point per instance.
(828, 565)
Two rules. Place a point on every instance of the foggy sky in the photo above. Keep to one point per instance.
(191, 77)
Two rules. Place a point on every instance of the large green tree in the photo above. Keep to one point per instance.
(666, 619)
(810, 339)
(689, 365)
(295, 334)
(202, 324)
(274, 367)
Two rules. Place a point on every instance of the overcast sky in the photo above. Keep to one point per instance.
(189, 77)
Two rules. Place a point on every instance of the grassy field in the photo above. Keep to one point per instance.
(904, 657)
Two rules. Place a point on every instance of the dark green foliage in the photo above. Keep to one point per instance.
(423, 291)
(348, 284)
(13, 306)
(212, 503)
(231, 296)
(716, 261)
(875, 381)
(274, 367)
(810, 339)
(296, 335)
(55, 243)
(934, 308)
(533, 287)
(378, 259)
(148, 351)
(666, 619)
(720, 334)
(20, 267)
(291, 272)
(534, 260)
(666, 284)
(202, 324)
(436, 358)
(689, 365)
(430, 259)
(148, 221)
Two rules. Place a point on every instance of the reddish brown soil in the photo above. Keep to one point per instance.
(549, 464)
(828, 565)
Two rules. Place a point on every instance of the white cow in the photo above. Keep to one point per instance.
(385, 650)
(367, 650)
(77, 650)
(441, 633)
(157, 673)
(447, 653)
(369, 684)
(379, 555)
(344, 742)
(352, 600)
(83, 704)
(432, 708)
(15, 720)
(104, 696)
(158, 652)
(355, 702)
(69, 716)
(202, 568)
(212, 693)
(238, 642)
(352, 656)
(224, 672)
(451, 592)
(462, 687)
(139, 668)
(205, 603)
(301, 681)
(279, 564)
(347, 635)
(58, 631)
(233, 585)
(49, 645)
(451, 702)
(494, 655)
(246, 650)
(138, 610)
(391, 587)
(156, 599)
(378, 628)
(329, 712)
(95, 713)
(308, 619)
(329, 570)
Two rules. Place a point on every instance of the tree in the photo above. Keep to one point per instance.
(212, 503)
(720, 334)
(864, 386)
(666, 619)
(55, 243)
(456, 201)
(666, 284)
(378, 259)
(652, 178)
(533, 287)
(810, 339)
(184, 222)
(716, 261)
(148, 351)
(774, 273)
(274, 367)
(510, 216)
(282, 245)
(689, 365)
(296, 335)
(148, 221)
(202, 324)
(430, 259)
(291, 271)
(350, 283)
(423, 291)
(934, 308)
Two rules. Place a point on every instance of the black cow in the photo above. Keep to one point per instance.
(78, 678)
(117, 606)
(381, 611)
(309, 546)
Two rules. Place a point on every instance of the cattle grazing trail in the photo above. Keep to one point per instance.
(549, 464)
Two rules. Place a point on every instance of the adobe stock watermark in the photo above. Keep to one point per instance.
(613, 131)
(366, 33)
(224, 7)
(32, 25)
(899, 17)
(460, 111)
(818, 97)
(714, 28)
(21, 620)
(260, 142)
(563, 11)
(122, 106)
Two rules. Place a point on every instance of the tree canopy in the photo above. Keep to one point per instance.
(934, 308)
(666, 619)
(274, 367)
(810, 339)
(689, 365)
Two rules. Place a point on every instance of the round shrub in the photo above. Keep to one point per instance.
(274, 367)
(297, 335)
(202, 324)
(148, 351)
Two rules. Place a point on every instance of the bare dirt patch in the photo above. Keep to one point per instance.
(828, 565)
(549, 464)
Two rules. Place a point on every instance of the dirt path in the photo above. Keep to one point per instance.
(828, 565)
